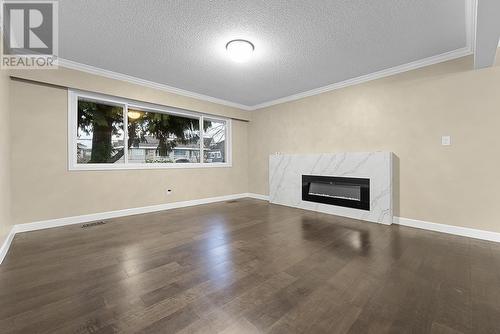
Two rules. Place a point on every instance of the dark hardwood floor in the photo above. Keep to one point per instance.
(248, 267)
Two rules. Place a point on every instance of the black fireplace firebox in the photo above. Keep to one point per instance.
(349, 192)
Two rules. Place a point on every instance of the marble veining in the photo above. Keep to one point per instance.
(285, 181)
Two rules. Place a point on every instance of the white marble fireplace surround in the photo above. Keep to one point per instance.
(285, 181)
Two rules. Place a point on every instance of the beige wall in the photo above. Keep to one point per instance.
(43, 188)
(5, 220)
(90, 82)
(406, 114)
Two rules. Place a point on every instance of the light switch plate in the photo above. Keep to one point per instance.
(446, 140)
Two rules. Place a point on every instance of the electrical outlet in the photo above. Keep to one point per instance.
(446, 140)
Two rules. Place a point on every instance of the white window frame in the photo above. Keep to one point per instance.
(74, 95)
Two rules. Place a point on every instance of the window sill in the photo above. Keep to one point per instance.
(111, 167)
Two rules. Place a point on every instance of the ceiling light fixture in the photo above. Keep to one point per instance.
(240, 50)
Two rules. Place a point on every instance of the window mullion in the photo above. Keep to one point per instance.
(227, 137)
(213, 153)
(202, 138)
(125, 135)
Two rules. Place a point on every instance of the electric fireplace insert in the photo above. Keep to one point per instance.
(341, 191)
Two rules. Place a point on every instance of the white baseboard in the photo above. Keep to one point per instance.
(450, 229)
(40, 225)
(120, 213)
(44, 224)
(258, 196)
(6, 244)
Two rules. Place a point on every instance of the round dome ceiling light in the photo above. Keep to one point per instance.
(240, 50)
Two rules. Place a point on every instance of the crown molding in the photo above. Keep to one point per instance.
(470, 13)
(466, 51)
(145, 83)
(470, 35)
(370, 77)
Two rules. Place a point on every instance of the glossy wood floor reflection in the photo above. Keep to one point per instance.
(248, 267)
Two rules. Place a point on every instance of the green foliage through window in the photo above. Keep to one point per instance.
(100, 132)
(151, 137)
(162, 138)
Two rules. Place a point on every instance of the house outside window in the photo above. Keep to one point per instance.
(155, 136)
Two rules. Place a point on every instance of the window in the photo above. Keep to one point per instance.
(155, 137)
(100, 133)
(114, 133)
(214, 141)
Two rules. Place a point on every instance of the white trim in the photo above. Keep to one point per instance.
(202, 139)
(51, 223)
(120, 213)
(370, 77)
(140, 166)
(125, 133)
(229, 143)
(6, 244)
(73, 96)
(449, 229)
(466, 51)
(470, 23)
(258, 196)
(470, 26)
(145, 83)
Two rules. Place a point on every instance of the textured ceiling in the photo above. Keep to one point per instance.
(300, 45)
